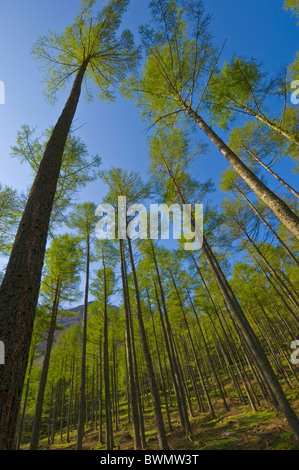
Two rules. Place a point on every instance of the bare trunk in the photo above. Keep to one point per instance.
(132, 389)
(82, 409)
(44, 375)
(20, 287)
(282, 211)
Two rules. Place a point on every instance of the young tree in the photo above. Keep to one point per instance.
(11, 207)
(89, 48)
(103, 288)
(169, 160)
(82, 219)
(77, 169)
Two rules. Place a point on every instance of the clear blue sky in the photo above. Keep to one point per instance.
(257, 28)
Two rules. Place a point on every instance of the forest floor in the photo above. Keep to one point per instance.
(236, 429)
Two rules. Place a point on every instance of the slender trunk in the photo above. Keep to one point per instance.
(20, 287)
(135, 365)
(180, 394)
(284, 246)
(132, 389)
(282, 211)
(136, 377)
(292, 190)
(68, 421)
(163, 445)
(213, 369)
(252, 341)
(206, 393)
(100, 393)
(170, 360)
(44, 374)
(62, 408)
(109, 443)
(160, 365)
(82, 409)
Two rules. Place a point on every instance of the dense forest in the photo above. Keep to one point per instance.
(135, 342)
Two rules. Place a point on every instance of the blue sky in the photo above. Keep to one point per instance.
(258, 28)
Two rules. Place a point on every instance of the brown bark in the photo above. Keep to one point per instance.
(20, 287)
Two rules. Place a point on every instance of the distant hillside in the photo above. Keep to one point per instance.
(66, 321)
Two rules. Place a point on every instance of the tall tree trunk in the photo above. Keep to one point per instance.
(109, 443)
(213, 369)
(163, 385)
(82, 409)
(163, 445)
(68, 420)
(282, 181)
(202, 379)
(43, 380)
(251, 339)
(180, 394)
(282, 211)
(132, 389)
(20, 287)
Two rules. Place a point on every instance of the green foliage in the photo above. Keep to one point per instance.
(180, 70)
(292, 5)
(11, 208)
(62, 266)
(77, 170)
(179, 58)
(82, 219)
(92, 37)
(241, 85)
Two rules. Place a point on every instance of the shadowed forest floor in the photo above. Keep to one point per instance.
(236, 429)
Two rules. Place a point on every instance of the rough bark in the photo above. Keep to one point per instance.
(20, 287)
